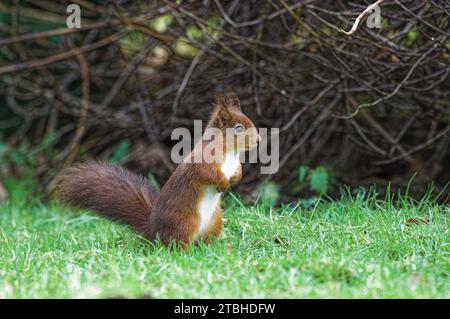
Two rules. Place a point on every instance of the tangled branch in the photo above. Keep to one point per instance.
(374, 105)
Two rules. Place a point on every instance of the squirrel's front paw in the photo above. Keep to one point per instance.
(223, 185)
(236, 176)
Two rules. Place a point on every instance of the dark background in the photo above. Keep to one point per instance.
(117, 87)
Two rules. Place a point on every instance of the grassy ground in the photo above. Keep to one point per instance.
(356, 247)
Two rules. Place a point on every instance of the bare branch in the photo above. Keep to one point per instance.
(360, 17)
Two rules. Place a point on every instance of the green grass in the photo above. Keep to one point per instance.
(359, 246)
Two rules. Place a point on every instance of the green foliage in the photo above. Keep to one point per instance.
(6, 78)
(19, 191)
(194, 33)
(213, 27)
(309, 203)
(19, 155)
(214, 24)
(385, 23)
(302, 172)
(269, 193)
(356, 247)
(31, 23)
(154, 182)
(132, 43)
(318, 179)
(3, 149)
(411, 38)
(184, 48)
(4, 19)
(25, 154)
(162, 23)
(120, 152)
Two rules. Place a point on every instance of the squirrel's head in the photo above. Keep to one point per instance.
(238, 131)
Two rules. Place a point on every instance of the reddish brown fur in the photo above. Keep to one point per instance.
(173, 214)
(113, 191)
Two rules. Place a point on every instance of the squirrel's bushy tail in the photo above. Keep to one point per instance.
(111, 191)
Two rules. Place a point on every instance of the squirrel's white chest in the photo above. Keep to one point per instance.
(208, 206)
(211, 197)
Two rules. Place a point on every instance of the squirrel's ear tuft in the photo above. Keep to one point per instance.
(232, 99)
(223, 116)
(228, 99)
(224, 104)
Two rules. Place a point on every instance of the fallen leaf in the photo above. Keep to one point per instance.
(417, 221)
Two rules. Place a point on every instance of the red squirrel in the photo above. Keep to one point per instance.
(187, 208)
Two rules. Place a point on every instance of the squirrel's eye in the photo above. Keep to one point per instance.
(239, 128)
